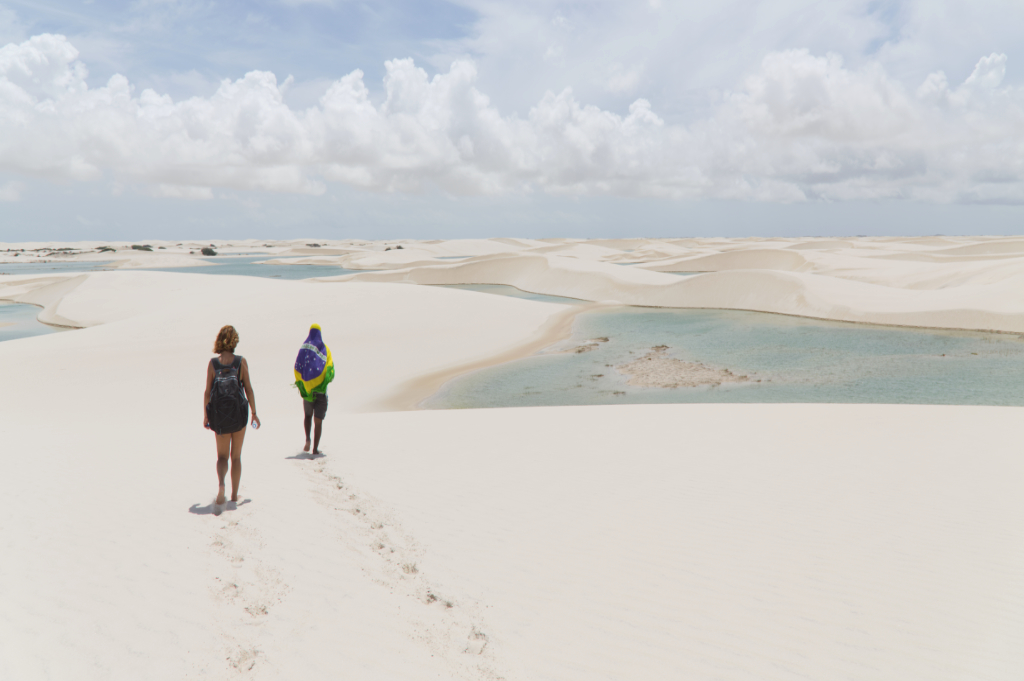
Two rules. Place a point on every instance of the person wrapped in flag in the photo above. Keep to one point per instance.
(314, 369)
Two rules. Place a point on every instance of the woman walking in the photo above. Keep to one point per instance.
(226, 407)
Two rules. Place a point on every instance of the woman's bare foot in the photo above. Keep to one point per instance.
(234, 498)
(220, 496)
(306, 448)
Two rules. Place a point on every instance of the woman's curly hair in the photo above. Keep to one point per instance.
(227, 339)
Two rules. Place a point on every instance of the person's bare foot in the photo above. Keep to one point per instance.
(220, 497)
(317, 452)
(234, 498)
(306, 448)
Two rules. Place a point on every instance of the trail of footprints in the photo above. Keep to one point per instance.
(249, 589)
(450, 626)
(244, 585)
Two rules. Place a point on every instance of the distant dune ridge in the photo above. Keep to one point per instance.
(725, 541)
(835, 280)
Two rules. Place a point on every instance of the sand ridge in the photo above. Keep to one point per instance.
(991, 302)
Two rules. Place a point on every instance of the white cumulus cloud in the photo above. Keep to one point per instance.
(799, 127)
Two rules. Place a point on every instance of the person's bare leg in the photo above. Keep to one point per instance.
(316, 434)
(236, 461)
(306, 423)
(223, 450)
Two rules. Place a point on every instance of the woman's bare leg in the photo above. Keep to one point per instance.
(307, 421)
(223, 450)
(318, 425)
(236, 461)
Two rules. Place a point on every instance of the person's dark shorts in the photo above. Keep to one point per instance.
(317, 408)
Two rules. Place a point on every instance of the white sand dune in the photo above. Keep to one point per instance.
(585, 251)
(306, 251)
(824, 244)
(516, 243)
(165, 298)
(649, 250)
(625, 244)
(164, 261)
(1008, 247)
(655, 255)
(919, 273)
(413, 254)
(322, 261)
(548, 274)
(394, 259)
(995, 305)
(755, 259)
(938, 258)
(367, 260)
(921, 241)
(734, 542)
(473, 247)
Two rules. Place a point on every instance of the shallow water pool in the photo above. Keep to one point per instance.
(51, 267)
(19, 321)
(795, 360)
(237, 265)
(246, 266)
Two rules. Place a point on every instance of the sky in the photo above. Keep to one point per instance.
(474, 118)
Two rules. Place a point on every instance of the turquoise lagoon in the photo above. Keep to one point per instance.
(795, 359)
(220, 264)
(19, 321)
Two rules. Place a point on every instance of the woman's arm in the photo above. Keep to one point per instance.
(249, 395)
(206, 395)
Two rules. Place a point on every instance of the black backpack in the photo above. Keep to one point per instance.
(228, 407)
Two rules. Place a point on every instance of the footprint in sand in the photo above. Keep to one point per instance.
(246, 586)
(244, 659)
(392, 563)
(477, 642)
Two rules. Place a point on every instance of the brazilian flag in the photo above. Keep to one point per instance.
(314, 366)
